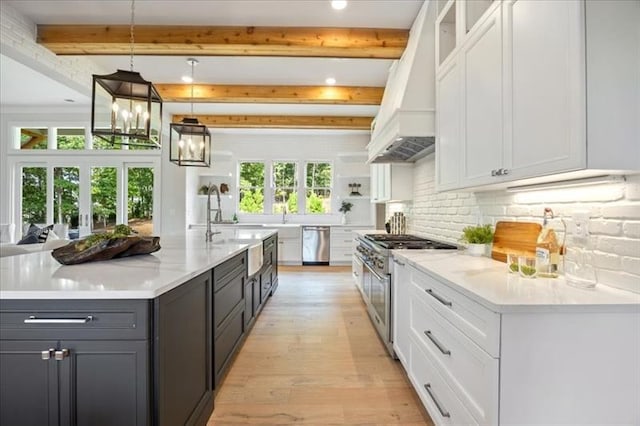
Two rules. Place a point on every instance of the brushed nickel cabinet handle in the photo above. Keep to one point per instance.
(439, 298)
(435, 400)
(435, 341)
(34, 320)
(62, 354)
(46, 355)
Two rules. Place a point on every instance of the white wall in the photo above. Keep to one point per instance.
(614, 217)
(269, 145)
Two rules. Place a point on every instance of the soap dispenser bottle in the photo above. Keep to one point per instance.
(547, 248)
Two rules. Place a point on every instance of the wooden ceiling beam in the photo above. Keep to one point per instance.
(380, 43)
(341, 95)
(281, 121)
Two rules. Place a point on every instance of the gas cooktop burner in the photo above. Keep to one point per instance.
(403, 241)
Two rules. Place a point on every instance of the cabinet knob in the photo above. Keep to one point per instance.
(494, 172)
(505, 171)
(62, 354)
(46, 355)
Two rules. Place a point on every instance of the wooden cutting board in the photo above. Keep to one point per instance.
(514, 237)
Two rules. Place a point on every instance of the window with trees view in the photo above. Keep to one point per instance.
(70, 138)
(318, 188)
(33, 138)
(285, 187)
(34, 194)
(251, 187)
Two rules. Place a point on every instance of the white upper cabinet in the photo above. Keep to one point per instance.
(448, 93)
(481, 137)
(544, 87)
(549, 90)
(391, 182)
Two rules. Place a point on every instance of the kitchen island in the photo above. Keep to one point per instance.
(136, 341)
(482, 346)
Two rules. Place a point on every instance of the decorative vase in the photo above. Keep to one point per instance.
(477, 249)
(344, 219)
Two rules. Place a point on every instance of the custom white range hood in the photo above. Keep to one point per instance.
(404, 129)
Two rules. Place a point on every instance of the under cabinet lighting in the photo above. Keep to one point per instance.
(338, 4)
(570, 183)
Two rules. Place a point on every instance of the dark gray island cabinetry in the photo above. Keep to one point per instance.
(74, 362)
(82, 346)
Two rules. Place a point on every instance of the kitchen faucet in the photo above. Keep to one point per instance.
(284, 213)
(218, 218)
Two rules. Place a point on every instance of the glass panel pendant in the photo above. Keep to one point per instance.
(190, 143)
(126, 110)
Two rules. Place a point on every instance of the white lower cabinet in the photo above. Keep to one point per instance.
(357, 270)
(470, 371)
(469, 365)
(443, 405)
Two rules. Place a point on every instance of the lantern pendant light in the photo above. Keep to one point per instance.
(126, 109)
(190, 141)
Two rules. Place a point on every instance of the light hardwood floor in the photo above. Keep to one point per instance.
(313, 358)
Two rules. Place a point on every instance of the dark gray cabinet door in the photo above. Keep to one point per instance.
(183, 354)
(28, 384)
(104, 383)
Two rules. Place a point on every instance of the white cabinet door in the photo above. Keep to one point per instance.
(448, 96)
(481, 62)
(544, 95)
(380, 182)
(400, 311)
(289, 252)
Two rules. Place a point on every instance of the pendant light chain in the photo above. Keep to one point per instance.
(193, 65)
(131, 39)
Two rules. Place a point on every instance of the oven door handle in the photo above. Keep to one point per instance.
(375, 273)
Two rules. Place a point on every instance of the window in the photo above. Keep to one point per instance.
(318, 185)
(70, 139)
(66, 193)
(32, 138)
(34, 195)
(140, 199)
(251, 187)
(285, 187)
(104, 189)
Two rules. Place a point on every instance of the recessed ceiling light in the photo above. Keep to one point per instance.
(338, 4)
(187, 79)
(330, 81)
(69, 100)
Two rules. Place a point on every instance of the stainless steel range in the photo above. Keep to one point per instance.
(374, 250)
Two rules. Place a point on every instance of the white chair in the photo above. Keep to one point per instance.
(7, 232)
(54, 244)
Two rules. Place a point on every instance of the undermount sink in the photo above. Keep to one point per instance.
(254, 252)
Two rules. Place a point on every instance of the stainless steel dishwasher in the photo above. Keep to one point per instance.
(315, 245)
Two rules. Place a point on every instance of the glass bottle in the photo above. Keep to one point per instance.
(547, 248)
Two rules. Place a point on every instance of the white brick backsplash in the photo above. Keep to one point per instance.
(631, 229)
(631, 265)
(629, 211)
(614, 211)
(618, 279)
(518, 211)
(605, 260)
(619, 246)
(605, 227)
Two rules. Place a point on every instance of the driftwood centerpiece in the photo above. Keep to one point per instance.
(105, 246)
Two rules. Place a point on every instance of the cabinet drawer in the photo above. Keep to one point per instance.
(468, 370)
(225, 300)
(229, 270)
(269, 243)
(441, 402)
(474, 320)
(226, 343)
(74, 319)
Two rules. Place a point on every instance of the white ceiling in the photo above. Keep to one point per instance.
(22, 86)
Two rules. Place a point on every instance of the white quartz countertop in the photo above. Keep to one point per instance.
(487, 282)
(40, 276)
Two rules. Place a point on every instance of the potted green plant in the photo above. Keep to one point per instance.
(344, 209)
(477, 238)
